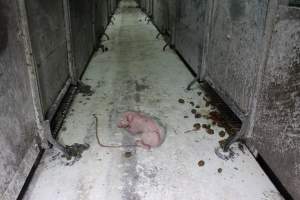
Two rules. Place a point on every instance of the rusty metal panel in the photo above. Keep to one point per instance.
(101, 17)
(48, 38)
(190, 26)
(234, 48)
(82, 32)
(276, 133)
(17, 119)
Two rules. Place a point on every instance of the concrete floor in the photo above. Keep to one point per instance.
(135, 74)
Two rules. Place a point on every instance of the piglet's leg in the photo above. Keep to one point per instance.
(140, 143)
(151, 138)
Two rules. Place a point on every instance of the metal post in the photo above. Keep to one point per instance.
(32, 72)
(43, 126)
(71, 63)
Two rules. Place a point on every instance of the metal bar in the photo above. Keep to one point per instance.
(42, 125)
(71, 63)
(54, 107)
(94, 21)
(208, 21)
(269, 26)
(32, 72)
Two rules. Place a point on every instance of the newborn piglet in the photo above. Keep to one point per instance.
(150, 132)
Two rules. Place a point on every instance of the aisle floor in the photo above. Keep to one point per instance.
(135, 74)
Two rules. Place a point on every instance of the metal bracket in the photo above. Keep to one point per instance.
(157, 36)
(166, 45)
(107, 37)
(196, 79)
(46, 131)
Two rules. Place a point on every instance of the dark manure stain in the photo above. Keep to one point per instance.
(206, 126)
(84, 89)
(220, 170)
(198, 115)
(221, 122)
(194, 111)
(199, 93)
(201, 163)
(197, 126)
(210, 131)
(192, 103)
(140, 87)
(222, 133)
(186, 117)
(197, 106)
(127, 154)
(75, 151)
(181, 101)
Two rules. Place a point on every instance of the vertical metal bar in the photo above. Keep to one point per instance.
(206, 39)
(71, 63)
(43, 125)
(94, 21)
(32, 71)
(269, 26)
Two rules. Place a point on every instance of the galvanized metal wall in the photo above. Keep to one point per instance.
(149, 7)
(164, 17)
(36, 63)
(83, 38)
(236, 35)
(17, 119)
(160, 16)
(101, 17)
(49, 45)
(172, 20)
(276, 132)
(143, 4)
(112, 5)
(190, 26)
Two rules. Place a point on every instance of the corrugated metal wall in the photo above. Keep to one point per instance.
(232, 41)
(101, 17)
(277, 125)
(236, 35)
(43, 44)
(82, 33)
(48, 36)
(159, 14)
(17, 118)
(190, 26)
